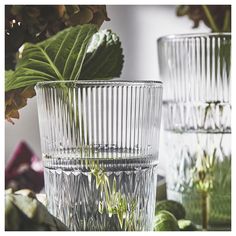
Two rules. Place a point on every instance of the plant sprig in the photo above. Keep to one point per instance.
(115, 203)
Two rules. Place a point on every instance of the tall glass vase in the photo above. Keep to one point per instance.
(195, 70)
(100, 152)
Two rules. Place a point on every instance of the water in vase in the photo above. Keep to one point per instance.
(102, 193)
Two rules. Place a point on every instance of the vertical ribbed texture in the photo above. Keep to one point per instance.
(196, 74)
(195, 70)
(113, 117)
(115, 124)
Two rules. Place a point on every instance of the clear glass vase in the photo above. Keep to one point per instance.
(100, 152)
(195, 70)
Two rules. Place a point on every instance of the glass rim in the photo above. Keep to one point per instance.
(190, 35)
(149, 83)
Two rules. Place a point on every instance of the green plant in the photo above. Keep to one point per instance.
(186, 225)
(211, 178)
(115, 202)
(173, 207)
(35, 23)
(23, 211)
(75, 53)
(170, 216)
(165, 221)
(207, 185)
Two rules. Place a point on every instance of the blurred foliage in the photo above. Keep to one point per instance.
(24, 169)
(216, 17)
(175, 208)
(24, 212)
(15, 100)
(186, 225)
(34, 23)
(170, 216)
(165, 221)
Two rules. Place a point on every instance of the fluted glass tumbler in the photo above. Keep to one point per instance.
(195, 70)
(99, 142)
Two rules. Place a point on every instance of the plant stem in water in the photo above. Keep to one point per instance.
(204, 199)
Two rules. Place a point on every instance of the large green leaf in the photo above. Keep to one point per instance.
(104, 58)
(8, 74)
(57, 58)
(75, 53)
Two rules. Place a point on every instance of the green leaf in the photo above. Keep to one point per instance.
(9, 74)
(104, 58)
(8, 78)
(12, 215)
(27, 213)
(186, 225)
(165, 221)
(173, 207)
(74, 53)
(57, 58)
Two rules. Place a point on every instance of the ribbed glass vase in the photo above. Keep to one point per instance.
(195, 70)
(100, 151)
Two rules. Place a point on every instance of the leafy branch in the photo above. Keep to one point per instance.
(75, 53)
